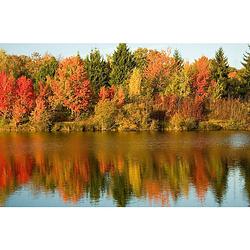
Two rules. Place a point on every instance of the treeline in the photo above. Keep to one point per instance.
(140, 90)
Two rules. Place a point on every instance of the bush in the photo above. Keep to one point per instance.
(105, 114)
(179, 123)
(230, 109)
(209, 125)
(134, 116)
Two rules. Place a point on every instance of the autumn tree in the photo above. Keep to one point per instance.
(7, 94)
(159, 68)
(180, 82)
(24, 99)
(135, 83)
(18, 66)
(201, 78)
(41, 115)
(98, 72)
(3, 61)
(122, 63)
(71, 87)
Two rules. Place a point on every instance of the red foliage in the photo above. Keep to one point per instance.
(71, 88)
(159, 64)
(24, 98)
(120, 97)
(192, 108)
(7, 88)
(169, 103)
(41, 103)
(201, 80)
(107, 93)
(232, 75)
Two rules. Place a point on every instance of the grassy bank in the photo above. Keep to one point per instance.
(82, 126)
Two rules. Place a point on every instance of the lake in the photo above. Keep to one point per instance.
(125, 169)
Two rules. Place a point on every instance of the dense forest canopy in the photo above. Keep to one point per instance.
(143, 89)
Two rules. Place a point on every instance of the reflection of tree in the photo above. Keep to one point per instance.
(245, 171)
(75, 169)
(121, 189)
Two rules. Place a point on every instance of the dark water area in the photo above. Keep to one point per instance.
(125, 169)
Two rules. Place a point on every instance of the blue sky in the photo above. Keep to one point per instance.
(189, 51)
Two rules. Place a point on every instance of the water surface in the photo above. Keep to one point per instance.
(125, 169)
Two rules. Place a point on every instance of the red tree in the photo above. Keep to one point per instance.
(71, 87)
(24, 99)
(201, 78)
(7, 88)
(41, 103)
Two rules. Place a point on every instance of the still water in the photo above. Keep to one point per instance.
(125, 169)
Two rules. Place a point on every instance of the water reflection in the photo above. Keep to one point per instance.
(125, 169)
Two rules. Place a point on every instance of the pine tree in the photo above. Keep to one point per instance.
(98, 71)
(122, 64)
(179, 62)
(220, 71)
(246, 73)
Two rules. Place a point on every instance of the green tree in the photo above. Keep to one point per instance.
(179, 62)
(140, 56)
(98, 71)
(47, 68)
(219, 73)
(246, 73)
(3, 61)
(180, 82)
(122, 64)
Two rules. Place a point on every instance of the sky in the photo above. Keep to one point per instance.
(189, 51)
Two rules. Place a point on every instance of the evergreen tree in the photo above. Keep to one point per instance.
(246, 73)
(98, 71)
(122, 64)
(179, 62)
(219, 72)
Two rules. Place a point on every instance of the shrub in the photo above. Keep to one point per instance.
(134, 116)
(179, 123)
(230, 109)
(209, 125)
(105, 113)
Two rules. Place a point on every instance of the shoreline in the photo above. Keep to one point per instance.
(84, 126)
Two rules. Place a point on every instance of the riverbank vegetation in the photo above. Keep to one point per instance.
(128, 90)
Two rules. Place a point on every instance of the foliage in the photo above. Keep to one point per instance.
(122, 64)
(98, 71)
(135, 83)
(47, 68)
(180, 83)
(71, 87)
(159, 67)
(41, 116)
(7, 94)
(178, 122)
(246, 74)
(179, 62)
(24, 99)
(140, 56)
(201, 77)
(105, 114)
(134, 116)
(219, 73)
(144, 89)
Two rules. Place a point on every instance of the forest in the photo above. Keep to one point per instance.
(127, 90)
